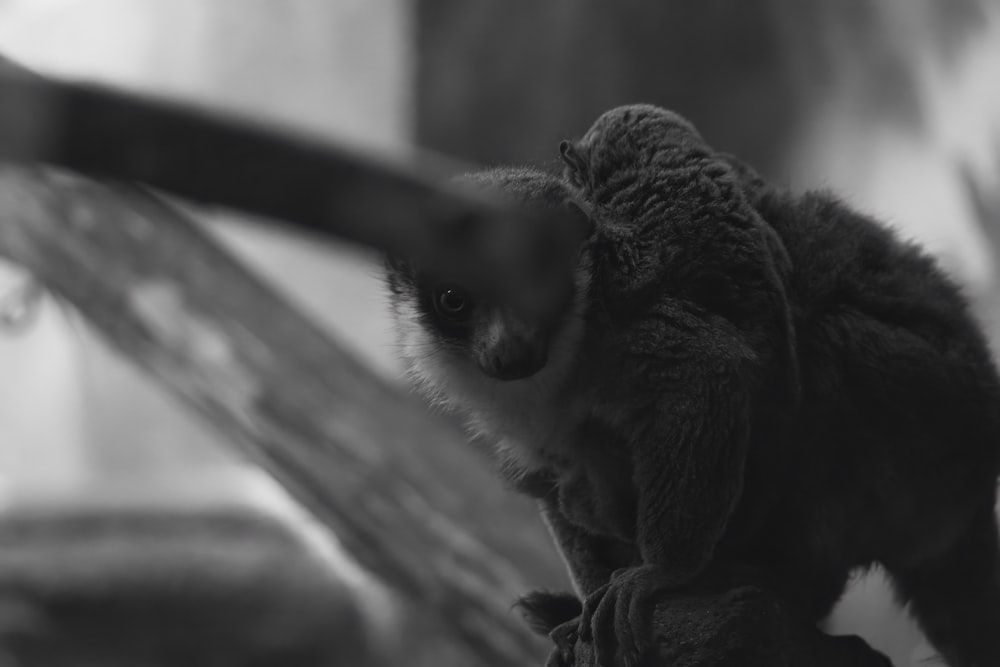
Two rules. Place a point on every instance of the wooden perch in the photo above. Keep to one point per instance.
(344, 443)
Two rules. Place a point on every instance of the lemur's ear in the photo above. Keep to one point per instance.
(576, 166)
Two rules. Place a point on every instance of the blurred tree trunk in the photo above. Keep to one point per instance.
(504, 82)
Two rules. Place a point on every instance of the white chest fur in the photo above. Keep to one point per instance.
(532, 419)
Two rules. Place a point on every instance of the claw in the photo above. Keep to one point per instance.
(638, 618)
(565, 637)
(590, 606)
(605, 630)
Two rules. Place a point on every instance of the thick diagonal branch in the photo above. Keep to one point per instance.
(344, 443)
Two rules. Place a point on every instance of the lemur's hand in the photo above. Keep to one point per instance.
(618, 617)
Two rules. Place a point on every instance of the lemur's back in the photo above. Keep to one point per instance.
(889, 351)
(842, 259)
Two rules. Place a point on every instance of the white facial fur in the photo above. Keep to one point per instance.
(526, 418)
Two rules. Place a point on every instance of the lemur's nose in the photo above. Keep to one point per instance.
(515, 359)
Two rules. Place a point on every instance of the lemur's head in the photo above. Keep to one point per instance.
(453, 333)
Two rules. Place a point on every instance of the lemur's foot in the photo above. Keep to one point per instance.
(618, 617)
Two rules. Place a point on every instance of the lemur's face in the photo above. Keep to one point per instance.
(448, 328)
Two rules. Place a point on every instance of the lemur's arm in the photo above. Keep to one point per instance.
(690, 454)
(703, 276)
(706, 325)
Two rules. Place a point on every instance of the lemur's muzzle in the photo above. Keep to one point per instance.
(514, 357)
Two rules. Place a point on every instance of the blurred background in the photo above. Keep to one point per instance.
(892, 103)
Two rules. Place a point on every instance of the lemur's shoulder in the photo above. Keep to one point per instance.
(682, 254)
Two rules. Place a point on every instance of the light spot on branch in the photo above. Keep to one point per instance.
(83, 217)
(206, 359)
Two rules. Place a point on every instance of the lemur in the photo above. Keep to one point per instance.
(703, 376)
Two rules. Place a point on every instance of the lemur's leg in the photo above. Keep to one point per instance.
(956, 598)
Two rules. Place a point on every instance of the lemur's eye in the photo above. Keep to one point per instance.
(453, 302)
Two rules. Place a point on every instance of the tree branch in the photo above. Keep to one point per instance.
(302, 181)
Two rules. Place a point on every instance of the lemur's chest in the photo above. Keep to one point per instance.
(542, 424)
(589, 456)
(534, 432)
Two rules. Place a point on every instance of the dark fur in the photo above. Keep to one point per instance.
(780, 387)
(544, 611)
